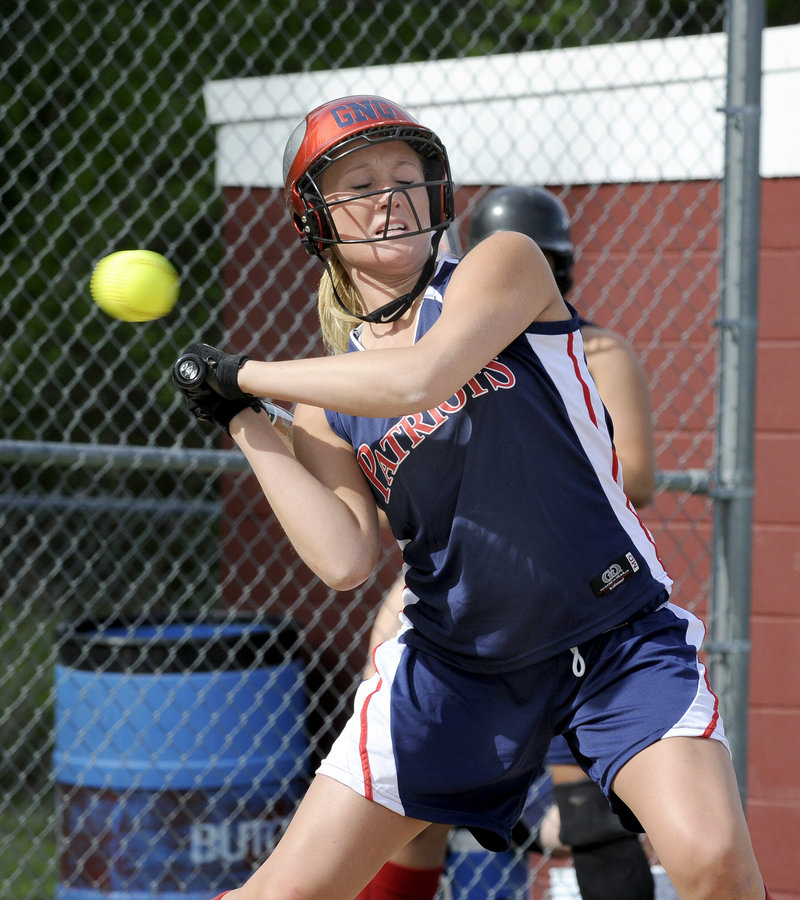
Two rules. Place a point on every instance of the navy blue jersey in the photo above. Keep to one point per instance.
(518, 541)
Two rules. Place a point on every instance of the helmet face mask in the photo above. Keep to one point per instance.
(340, 127)
(329, 233)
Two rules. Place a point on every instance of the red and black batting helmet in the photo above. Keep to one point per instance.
(533, 211)
(342, 126)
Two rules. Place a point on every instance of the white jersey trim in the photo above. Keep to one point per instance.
(563, 358)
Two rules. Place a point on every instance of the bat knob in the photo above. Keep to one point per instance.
(189, 371)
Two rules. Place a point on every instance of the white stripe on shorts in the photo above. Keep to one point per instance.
(702, 718)
(362, 757)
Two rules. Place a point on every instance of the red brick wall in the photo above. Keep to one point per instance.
(774, 748)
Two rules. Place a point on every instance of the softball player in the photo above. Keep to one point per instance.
(536, 603)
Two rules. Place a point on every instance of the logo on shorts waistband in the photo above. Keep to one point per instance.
(613, 576)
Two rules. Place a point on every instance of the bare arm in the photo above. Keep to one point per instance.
(623, 388)
(319, 495)
(502, 286)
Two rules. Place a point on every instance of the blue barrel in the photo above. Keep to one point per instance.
(180, 755)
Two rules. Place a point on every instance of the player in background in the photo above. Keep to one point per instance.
(464, 410)
(614, 366)
(610, 861)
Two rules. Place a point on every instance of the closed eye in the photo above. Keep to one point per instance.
(368, 186)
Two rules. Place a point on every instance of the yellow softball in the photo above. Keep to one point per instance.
(135, 285)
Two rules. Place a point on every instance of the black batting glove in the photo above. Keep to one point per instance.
(222, 374)
(190, 375)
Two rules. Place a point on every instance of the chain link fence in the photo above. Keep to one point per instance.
(170, 670)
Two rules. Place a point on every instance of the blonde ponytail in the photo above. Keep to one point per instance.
(336, 323)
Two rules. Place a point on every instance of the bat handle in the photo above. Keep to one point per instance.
(189, 374)
(189, 371)
(277, 414)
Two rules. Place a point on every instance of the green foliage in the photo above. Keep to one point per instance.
(106, 144)
(25, 862)
(28, 672)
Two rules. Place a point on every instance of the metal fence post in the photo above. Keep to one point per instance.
(729, 638)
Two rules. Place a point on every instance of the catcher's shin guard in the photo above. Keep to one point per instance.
(610, 862)
(614, 870)
(586, 817)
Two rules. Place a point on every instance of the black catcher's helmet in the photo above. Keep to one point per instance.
(532, 211)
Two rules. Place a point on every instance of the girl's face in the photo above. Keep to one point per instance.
(359, 214)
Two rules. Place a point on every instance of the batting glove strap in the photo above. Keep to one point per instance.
(224, 376)
(223, 371)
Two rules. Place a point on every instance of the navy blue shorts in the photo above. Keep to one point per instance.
(438, 743)
(559, 753)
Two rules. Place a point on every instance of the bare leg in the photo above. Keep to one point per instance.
(683, 791)
(334, 845)
(426, 851)
(564, 774)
